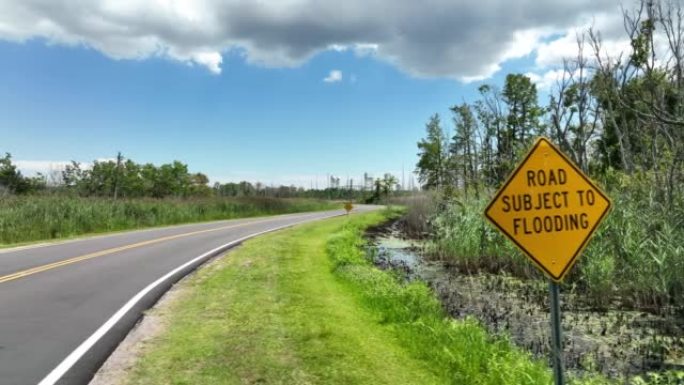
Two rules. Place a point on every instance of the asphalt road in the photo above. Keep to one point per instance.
(65, 307)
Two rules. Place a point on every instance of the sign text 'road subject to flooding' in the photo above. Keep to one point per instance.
(548, 208)
(549, 200)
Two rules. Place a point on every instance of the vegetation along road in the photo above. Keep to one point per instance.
(65, 306)
(305, 306)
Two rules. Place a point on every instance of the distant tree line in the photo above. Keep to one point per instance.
(117, 178)
(611, 114)
(381, 189)
(124, 178)
(132, 180)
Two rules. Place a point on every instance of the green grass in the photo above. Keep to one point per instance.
(460, 351)
(35, 218)
(303, 306)
(273, 313)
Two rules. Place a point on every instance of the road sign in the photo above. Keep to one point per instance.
(348, 206)
(549, 209)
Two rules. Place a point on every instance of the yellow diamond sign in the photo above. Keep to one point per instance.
(548, 208)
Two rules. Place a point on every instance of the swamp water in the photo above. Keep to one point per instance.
(616, 343)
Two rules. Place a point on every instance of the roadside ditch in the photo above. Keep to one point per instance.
(617, 343)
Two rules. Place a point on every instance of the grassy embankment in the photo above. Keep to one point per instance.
(33, 218)
(304, 306)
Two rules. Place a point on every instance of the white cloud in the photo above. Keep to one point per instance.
(365, 49)
(444, 38)
(610, 27)
(334, 76)
(551, 53)
(299, 180)
(547, 80)
(48, 167)
(211, 60)
(45, 167)
(337, 47)
(103, 160)
(525, 42)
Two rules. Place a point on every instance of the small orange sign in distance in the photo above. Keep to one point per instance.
(348, 206)
(549, 208)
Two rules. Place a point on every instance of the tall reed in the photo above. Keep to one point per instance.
(31, 218)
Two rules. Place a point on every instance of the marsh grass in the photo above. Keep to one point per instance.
(33, 218)
(636, 257)
(419, 210)
(401, 306)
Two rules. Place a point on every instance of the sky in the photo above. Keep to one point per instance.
(281, 92)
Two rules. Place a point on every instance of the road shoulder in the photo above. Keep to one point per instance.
(270, 312)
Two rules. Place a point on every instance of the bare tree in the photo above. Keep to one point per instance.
(574, 113)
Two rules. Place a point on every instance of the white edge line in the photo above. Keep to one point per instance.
(66, 364)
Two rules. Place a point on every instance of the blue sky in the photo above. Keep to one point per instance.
(64, 103)
(274, 119)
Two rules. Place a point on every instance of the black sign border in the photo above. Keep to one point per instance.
(584, 243)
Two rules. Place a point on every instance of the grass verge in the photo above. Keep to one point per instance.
(274, 313)
(303, 306)
(461, 351)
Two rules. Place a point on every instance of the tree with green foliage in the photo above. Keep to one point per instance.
(130, 180)
(389, 183)
(523, 120)
(463, 147)
(433, 165)
(642, 95)
(199, 185)
(72, 175)
(13, 182)
(11, 178)
(490, 114)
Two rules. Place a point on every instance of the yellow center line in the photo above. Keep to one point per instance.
(50, 266)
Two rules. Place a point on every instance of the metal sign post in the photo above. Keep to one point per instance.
(556, 333)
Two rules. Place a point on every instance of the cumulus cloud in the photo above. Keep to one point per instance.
(615, 45)
(610, 27)
(439, 38)
(334, 76)
(48, 167)
(211, 60)
(45, 167)
(549, 79)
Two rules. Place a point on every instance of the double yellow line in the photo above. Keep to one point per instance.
(54, 265)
